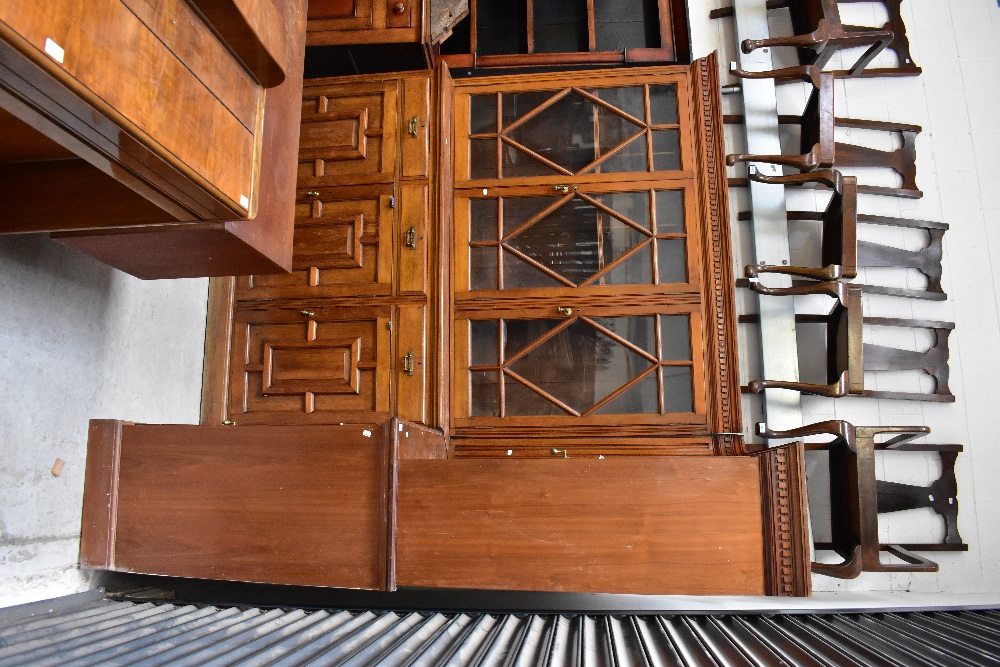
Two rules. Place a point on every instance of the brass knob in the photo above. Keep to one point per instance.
(564, 189)
(398, 8)
(308, 313)
(312, 193)
(564, 311)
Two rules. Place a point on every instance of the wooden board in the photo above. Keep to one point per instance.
(666, 525)
(266, 504)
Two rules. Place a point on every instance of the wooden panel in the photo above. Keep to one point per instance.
(399, 13)
(218, 338)
(414, 441)
(100, 494)
(211, 141)
(23, 142)
(319, 366)
(411, 388)
(416, 134)
(663, 525)
(415, 221)
(343, 246)
(280, 505)
(348, 134)
(342, 14)
(364, 22)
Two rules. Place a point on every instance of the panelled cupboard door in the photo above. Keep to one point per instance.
(342, 247)
(572, 128)
(348, 133)
(310, 366)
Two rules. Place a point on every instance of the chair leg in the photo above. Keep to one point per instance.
(849, 569)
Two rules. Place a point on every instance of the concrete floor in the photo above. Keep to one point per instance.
(79, 340)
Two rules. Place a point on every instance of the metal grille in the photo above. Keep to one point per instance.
(87, 630)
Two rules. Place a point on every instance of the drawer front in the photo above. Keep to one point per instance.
(413, 238)
(305, 366)
(411, 364)
(342, 14)
(342, 247)
(416, 130)
(348, 134)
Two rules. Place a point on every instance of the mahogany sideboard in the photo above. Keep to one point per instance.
(135, 131)
(504, 358)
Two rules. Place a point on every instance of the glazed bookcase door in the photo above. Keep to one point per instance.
(615, 128)
(580, 366)
(595, 239)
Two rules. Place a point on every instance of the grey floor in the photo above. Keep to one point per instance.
(79, 340)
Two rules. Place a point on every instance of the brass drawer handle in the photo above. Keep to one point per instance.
(564, 311)
(414, 123)
(560, 451)
(411, 238)
(564, 189)
(408, 364)
(308, 313)
(312, 193)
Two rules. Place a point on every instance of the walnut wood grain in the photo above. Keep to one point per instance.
(215, 368)
(651, 525)
(317, 513)
(100, 494)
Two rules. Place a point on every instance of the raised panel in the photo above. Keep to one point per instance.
(342, 247)
(412, 365)
(414, 239)
(417, 126)
(309, 367)
(348, 134)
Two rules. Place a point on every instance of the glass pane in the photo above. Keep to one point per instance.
(638, 400)
(632, 205)
(515, 105)
(482, 158)
(502, 28)
(669, 211)
(483, 340)
(564, 132)
(630, 158)
(518, 334)
(675, 332)
(636, 270)
(672, 260)
(576, 240)
(666, 150)
(677, 389)
(483, 272)
(517, 211)
(580, 366)
(522, 402)
(663, 104)
(628, 99)
(483, 220)
(560, 26)
(483, 116)
(626, 24)
(517, 163)
(484, 393)
(637, 330)
(520, 274)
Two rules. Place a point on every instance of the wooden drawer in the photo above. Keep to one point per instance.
(416, 127)
(348, 134)
(342, 247)
(309, 366)
(412, 364)
(413, 239)
(364, 21)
